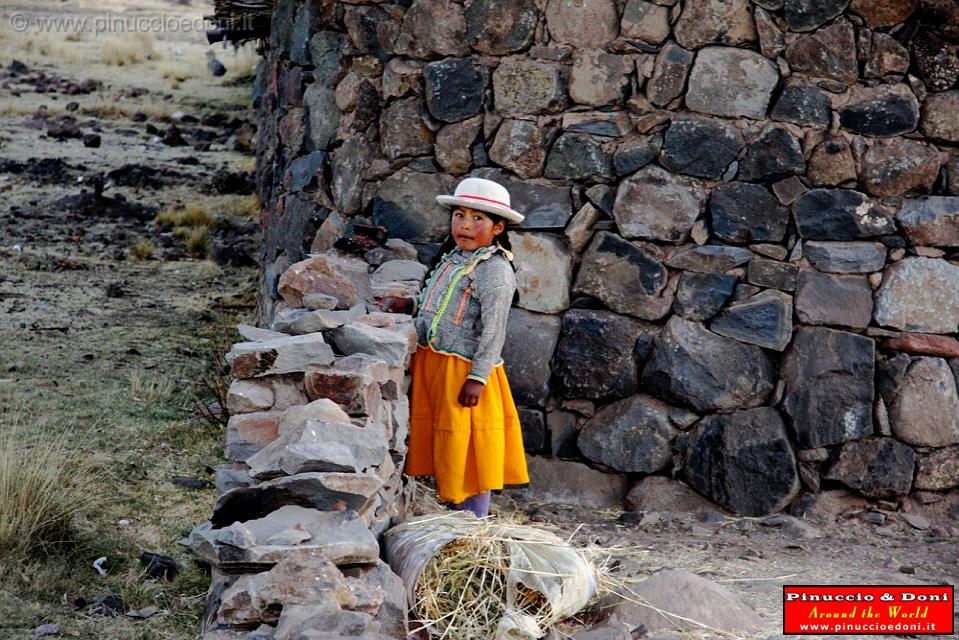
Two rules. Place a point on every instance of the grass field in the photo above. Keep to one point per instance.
(124, 431)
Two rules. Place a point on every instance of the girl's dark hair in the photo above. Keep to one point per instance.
(449, 244)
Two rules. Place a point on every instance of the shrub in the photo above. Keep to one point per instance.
(196, 242)
(142, 250)
(44, 486)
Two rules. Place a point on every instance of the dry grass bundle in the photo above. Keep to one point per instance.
(44, 486)
(476, 579)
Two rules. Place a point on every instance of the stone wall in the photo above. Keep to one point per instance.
(739, 264)
(316, 440)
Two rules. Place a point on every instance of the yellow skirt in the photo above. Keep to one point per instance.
(469, 449)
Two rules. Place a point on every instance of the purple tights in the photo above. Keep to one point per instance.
(478, 504)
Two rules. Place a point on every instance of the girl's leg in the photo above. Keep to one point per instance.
(478, 504)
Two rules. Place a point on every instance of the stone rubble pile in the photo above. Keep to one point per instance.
(316, 442)
(740, 262)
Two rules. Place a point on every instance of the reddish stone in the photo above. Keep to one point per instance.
(247, 433)
(247, 365)
(357, 393)
(883, 13)
(925, 343)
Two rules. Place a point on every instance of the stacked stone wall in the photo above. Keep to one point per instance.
(740, 261)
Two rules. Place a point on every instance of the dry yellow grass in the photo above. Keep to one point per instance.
(149, 388)
(142, 250)
(128, 49)
(190, 215)
(197, 242)
(176, 71)
(45, 484)
(241, 206)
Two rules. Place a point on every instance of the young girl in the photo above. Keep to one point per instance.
(464, 428)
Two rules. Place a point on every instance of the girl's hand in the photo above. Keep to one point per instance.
(390, 304)
(470, 393)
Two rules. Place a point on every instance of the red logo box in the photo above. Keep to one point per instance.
(859, 610)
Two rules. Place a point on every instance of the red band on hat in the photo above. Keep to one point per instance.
(502, 204)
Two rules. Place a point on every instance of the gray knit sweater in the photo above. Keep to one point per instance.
(464, 305)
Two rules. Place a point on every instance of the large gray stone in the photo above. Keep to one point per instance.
(708, 258)
(595, 355)
(745, 213)
(803, 105)
(931, 221)
(331, 274)
(743, 461)
(919, 294)
(925, 408)
(349, 162)
(939, 116)
(709, 372)
(405, 203)
(433, 28)
(700, 296)
(592, 24)
(883, 111)
(331, 491)
(840, 214)
(875, 467)
(498, 27)
(657, 205)
(326, 51)
(526, 87)
(806, 15)
(573, 483)
(715, 21)
(324, 115)
(829, 52)
(520, 146)
(825, 298)
(598, 78)
(701, 147)
(669, 74)
(772, 274)
(683, 602)
(829, 386)
(634, 435)
(731, 82)
(280, 355)
(454, 89)
(764, 319)
(454, 145)
(530, 341)
(544, 271)
(937, 470)
(392, 344)
(845, 257)
(659, 493)
(580, 157)
(403, 131)
(308, 441)
(624, 278)
(307, 579)
(774, 154)
(246, 546)
(897, 166)
(646, 21)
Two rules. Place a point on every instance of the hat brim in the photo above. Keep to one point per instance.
(488, 207)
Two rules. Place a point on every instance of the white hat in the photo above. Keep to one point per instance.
(482, 194)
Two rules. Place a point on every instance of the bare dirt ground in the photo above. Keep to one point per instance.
(108, 319)
(113, 346)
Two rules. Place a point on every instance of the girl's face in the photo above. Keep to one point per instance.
(473, 229)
